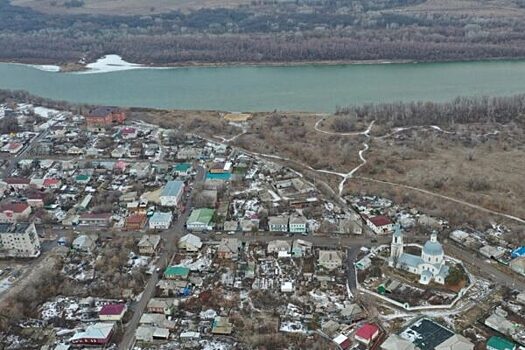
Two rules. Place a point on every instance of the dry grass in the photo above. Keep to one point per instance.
(125, 7)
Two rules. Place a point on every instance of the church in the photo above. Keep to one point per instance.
(429, 266)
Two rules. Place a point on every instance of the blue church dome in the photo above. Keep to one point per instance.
(433, 248)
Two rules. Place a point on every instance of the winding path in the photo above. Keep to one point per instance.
(398, 130)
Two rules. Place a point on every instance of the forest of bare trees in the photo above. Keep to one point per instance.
(462, 110)
(282, 32)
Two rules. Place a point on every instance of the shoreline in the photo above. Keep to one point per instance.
(70, 67)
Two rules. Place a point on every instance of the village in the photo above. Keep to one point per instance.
(119, 234)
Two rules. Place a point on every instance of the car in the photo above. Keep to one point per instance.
(231, 232)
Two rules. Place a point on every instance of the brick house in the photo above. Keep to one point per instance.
(102, 117)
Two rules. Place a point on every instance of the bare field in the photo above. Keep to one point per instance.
(125, 7)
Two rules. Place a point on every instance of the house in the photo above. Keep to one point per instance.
(14, 212)
(229, 248)
(135, 222)
(367, 333)
(301, 248)
(427, 334)
(129, 132)
(102, 117)
(498, 343)
(18, 183)
(172, 193)
(97, 334)
(351, 313)
(190, 243)
(148, 244)
(287, 287)
(200, 220)
(19, 240)
(82, 179)
(176, 272)
(342, 342)
(330, 259)
(148, 333)
(364, 263)
(492, 252)
(456, 342)
(249, 225)
(380, 225)
(112, 312)
(160, 220)
(92, 219)
(395, 342)
(277, 246)
(164, 306)
(518, 265)
(221, 326)
(278, 224)
(182, 169)
(13, 147)
(297, 224)
(35, 199)
(51, 183)
(84, 243)
(140, 170)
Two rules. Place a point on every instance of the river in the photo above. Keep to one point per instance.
(316, 88)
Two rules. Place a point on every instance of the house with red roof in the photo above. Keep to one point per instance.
(135, 222)
(367, 333)
(380, 225)
(13, 147)
(52, 183)
(14, 212)
(112, 312)
(129, 133)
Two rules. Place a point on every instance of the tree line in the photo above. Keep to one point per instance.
(461, 110)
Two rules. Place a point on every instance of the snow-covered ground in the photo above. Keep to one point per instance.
(112, 63)
(46, 67)
(5, 284)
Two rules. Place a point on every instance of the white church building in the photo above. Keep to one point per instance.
(429, 266)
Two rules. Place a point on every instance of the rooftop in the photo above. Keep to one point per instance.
(172, 188)
(14, 228)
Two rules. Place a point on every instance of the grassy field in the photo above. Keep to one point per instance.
(125, 7)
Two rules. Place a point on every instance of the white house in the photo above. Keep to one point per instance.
(190, 243)
(277, 246)
(160, 220)
(330, 259)
(84, 243)
(297, 224)
(172, 193)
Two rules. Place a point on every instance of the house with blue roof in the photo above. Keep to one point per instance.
(171, 194)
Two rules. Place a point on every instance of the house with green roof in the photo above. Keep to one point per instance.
(82, 178)
(498, 343)
(176, 272)
(200, 220)
(182, 169)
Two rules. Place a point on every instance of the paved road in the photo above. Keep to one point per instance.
(170, 238)
(479, 266)
(13, 162)
(351, 255)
